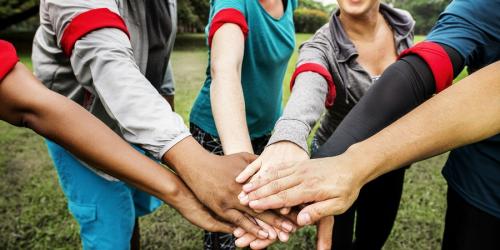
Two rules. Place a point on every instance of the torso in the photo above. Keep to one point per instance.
(275, 8)
(377, 54)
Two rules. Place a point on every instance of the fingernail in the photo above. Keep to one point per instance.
(262, 234)
(244, 199)
(241, 195)
(304, 219)
(283, 237)
(272, 235)
(247, 187)
(287, 226)
(238, 232)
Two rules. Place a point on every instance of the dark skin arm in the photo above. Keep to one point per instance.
(212, 177)
(24, 101)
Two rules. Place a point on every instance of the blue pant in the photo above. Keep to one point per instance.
(105, 210)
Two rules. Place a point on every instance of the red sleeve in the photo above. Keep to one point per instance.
(8, 58)
(88, 21)
(227, 16)
(438, 61)
(317, 68)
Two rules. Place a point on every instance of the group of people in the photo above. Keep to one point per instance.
(106, 109)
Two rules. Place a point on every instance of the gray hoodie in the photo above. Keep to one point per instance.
(331, 48)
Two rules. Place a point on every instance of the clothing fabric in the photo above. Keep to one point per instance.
(105, 210)
(222, 241)
(468, 227)
(331, 48)
(8, 58)
(105, 72)
(268, 46)
(159, 25)
(472, 28)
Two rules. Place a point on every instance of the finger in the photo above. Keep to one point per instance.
(285, 210)
(325, 231)
(239, 219)
(272, 176)
(314, 212)
(249, 171)
(208, 222)
(245, 240)
(275, 220)
(239, 232)
(261, 244)
(288, 198)
(283, 236)
(269, 229)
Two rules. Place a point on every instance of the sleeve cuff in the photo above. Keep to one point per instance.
(227, 16)
(172, 143)
(291, 130)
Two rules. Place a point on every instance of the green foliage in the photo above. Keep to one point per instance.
(425, 12)
(309, 20)
(11, 7)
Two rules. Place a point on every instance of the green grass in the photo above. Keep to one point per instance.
(33, 207)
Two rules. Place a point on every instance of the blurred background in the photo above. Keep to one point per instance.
(32, 206)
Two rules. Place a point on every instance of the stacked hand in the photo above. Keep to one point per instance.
(211, 178)
(273, 158)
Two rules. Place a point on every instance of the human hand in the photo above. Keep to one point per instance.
(184, 201)
(330, 184)
(272, 158)
(211, 178)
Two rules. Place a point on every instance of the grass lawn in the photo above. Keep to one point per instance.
(33, 208)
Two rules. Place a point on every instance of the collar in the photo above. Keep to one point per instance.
(400, 21)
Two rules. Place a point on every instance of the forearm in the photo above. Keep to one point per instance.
(304, 108)
(29, 103)
(465, 113)
(226, 92)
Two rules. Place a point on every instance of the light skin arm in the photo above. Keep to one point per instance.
(26, 102)
(226, 93)
(465, 113)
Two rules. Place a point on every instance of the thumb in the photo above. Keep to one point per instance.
(314, 212)
(249, 171)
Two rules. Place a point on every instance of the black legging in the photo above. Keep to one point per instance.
(403, 86)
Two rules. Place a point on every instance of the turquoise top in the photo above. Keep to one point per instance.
(268, 47)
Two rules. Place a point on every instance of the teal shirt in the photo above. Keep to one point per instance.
(268, 46)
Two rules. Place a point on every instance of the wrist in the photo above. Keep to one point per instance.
(367, 163)
(186, 157)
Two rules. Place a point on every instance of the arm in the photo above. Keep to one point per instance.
(468, 112)
(103, 62)
(226, 94)
(310, 87)
(167, 89)
(26, 102)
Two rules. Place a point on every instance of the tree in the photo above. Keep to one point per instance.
(16, 11)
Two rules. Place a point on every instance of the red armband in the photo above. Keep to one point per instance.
(317, 68)
(8, 58)
(227, 16)
(438, 61)
(87, 22)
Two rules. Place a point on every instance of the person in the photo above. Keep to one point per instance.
(112, 59)
(25, 102)
(465, 33)
(337, 66)
(250, 43)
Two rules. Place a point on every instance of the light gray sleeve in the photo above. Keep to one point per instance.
(307, 100)
(168, 86)
(104, 63)
(304, 108)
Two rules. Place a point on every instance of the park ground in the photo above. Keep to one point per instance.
(34, 212)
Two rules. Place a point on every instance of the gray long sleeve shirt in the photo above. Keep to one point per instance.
(331, 48)
(105, 71)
